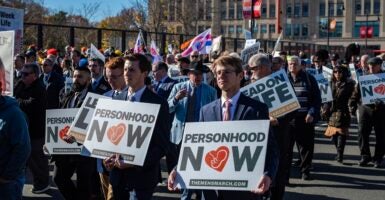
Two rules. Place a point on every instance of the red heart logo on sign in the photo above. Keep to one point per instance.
(217, 159)
(63, 132)
(115, 133)
(380, 89)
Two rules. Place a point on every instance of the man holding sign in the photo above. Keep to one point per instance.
(235, 106)
(370, 115)
(261, 67)
(142, 180)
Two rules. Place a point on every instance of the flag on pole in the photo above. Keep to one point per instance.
(154, 52)
(95, 53)
(138, 48)
(199, 43)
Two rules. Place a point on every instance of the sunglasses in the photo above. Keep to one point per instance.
(194, 56)
(337, 72)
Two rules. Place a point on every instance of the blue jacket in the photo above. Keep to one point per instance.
(208, 94)
(15, 144)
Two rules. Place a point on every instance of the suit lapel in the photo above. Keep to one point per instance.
(239, 110)
(217, 109)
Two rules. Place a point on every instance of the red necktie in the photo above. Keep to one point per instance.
(226, 112)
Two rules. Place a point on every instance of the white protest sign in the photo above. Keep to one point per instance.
(324, 87)
(372, 88)
(249, 51)
(13, 19)
(275, 91)
(249, 43)
(121, 127)
(277, 44)
(173, 70)
(83, 118)
(217, 44)
(180, 78)
(230, 158)
(247, 34)
(327, 72)
(95, 53)
(311, 71)
(58, 122)
(353, 72)
(7, 39)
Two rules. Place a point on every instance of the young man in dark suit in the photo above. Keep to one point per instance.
(229, 74)
(142, 180)
(98, 82)
(164, 84)
(53, 83)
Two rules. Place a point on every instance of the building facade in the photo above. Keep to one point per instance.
(300, 20)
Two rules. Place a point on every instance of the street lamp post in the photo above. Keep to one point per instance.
(252, 24)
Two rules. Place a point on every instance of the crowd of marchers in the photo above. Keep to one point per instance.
(209, 91)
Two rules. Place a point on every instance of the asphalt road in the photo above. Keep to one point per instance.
(332, 180)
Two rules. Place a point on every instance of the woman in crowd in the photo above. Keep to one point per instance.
(338, 111)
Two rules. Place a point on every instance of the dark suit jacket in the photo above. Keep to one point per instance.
(32, 100)
(247, 109)
(147, 176)
(55, 84)
(164, 89)
(102, 87)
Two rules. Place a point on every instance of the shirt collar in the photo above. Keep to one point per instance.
(97, 79)
(137, 94)
(163, 79)
(233, 100)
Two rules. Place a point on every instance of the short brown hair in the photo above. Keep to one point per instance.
(115, 63)
(232, 61)
(144, 64)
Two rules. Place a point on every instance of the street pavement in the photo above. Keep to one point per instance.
(332, 180)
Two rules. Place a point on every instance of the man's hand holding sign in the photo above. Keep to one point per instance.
(239, 158)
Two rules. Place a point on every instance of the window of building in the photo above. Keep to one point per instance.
(288, 30)
(288, 10)
(305, 9)
(223, 29)
(359, 24)
(271, 28)
(239, 30)
(296, 30)
(179, 29)
(239, 10)
(223, 10)
(366, 7)
(172, 10)
(231, 30)
(231, 10)
(336, 33)
(357, 6)
(200, 8)
(201, 29)
(331, 8)
(208, 9)
(263, 10)
(377, 7)
(297, 8)
(263, 28)
(322, 8)
(255, 29)
(340, 8)
(305, 30)
(272, 11)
